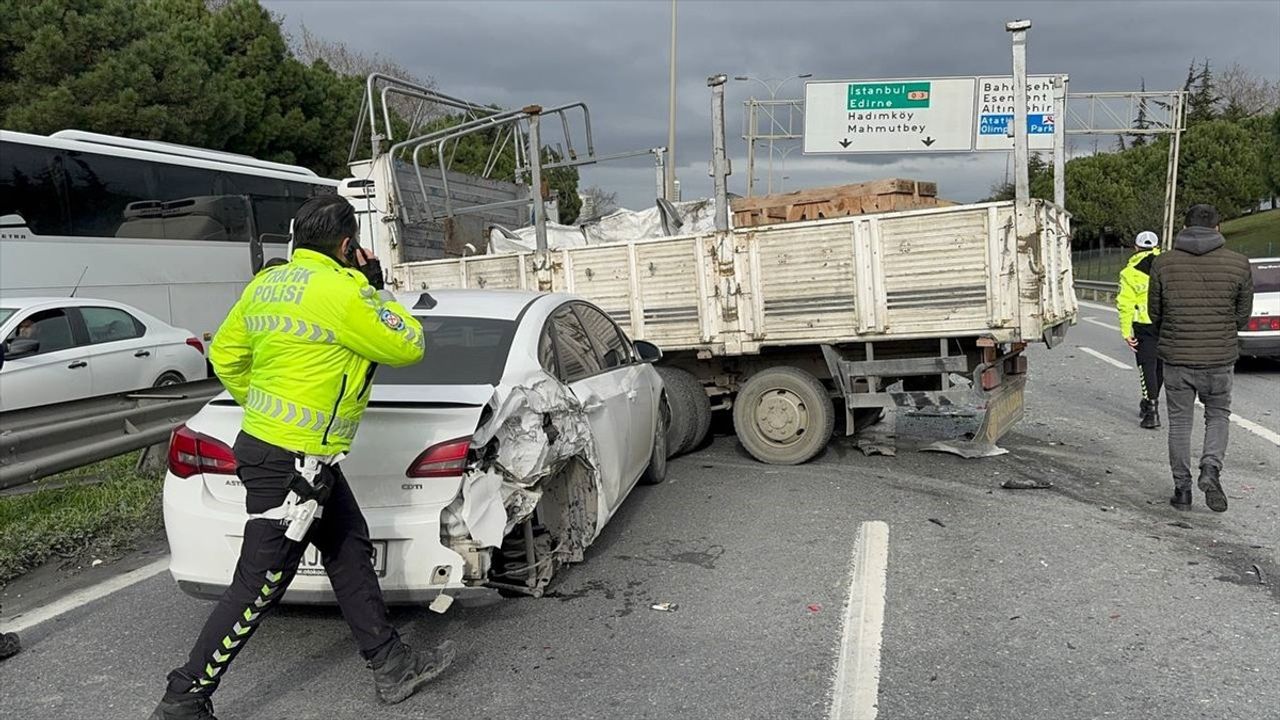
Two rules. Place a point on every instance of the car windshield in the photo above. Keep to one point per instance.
(460, 351)
(1266, 277)
(5, 313)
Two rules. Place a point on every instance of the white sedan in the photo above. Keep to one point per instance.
(60, 349)
(498, 458)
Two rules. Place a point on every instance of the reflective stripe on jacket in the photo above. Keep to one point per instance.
(1131, 297)
(298, 352)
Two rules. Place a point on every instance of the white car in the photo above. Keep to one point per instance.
(498, 458)
(64, 348)
(1261, 336)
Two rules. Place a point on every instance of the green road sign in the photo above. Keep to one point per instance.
(886, 95)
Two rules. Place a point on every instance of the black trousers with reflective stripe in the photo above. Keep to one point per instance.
(269, 561)
(1150, 366)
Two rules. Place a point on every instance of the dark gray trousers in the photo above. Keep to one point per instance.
(1182, 385)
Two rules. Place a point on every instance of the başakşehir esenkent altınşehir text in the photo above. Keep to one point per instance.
(886, 107)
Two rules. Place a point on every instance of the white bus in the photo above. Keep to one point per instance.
(165, 228)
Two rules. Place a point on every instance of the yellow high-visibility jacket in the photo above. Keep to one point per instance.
(1131, 299)
(299, 348)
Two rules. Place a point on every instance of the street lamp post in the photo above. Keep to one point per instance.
(671, 114)
(772, 86)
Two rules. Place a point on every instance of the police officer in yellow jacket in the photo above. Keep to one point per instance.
(1136, 327)
(298, 353)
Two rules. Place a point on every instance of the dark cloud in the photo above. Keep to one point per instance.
(614, 56)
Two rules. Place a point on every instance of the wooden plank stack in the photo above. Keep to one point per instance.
(877, 196)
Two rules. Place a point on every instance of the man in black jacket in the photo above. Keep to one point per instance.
(1200, 296)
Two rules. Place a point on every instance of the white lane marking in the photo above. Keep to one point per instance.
(1265, 433)
(85, 596)
(1105, 358)
(1108, 326)
(1096, 306)
(855, 694)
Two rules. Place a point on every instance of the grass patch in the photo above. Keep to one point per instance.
(1256, 235)
(107, 517)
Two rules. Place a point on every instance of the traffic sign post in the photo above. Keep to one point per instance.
(889, 116)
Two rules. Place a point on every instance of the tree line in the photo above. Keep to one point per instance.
(1230, 158)
(217, 74)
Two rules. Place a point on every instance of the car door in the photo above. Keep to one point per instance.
(605, 400)
(120, 353)
(622, 370)
(58, 371)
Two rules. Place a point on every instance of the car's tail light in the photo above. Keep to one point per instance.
(1263, 323)
(191, 453)
(446, 459)
(199, 346)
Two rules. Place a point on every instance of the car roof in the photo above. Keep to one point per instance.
(489, 304)
(22, 302)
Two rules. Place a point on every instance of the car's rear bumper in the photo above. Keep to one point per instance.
(1260, 344)
(205, 535)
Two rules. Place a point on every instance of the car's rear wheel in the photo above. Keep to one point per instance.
(681, 428)
(656, 472)
(169, 378)
(783, 416)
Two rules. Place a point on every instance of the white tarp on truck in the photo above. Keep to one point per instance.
(697, 216)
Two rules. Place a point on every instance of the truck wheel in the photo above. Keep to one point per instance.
(681, 428)
(783, 416)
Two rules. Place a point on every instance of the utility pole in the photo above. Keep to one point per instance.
(1024, 223)
(671, 114)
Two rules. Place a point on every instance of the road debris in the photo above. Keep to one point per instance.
(441, 603)
(1257, 571)
(1180, 524)
(1026, 484)
(664, 607)
(937, 522)
(967, 449)
(814, 608)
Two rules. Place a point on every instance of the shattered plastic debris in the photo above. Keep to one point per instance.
(534, 431)
(965, 448)
(1025, 484)
(441, 603)
(664, 607)
(814, 608)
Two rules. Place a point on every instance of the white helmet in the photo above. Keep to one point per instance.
(1147, 240)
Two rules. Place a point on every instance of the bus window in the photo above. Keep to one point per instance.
(30, 187)
(102, 188)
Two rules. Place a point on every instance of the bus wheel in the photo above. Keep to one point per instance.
(783, 416)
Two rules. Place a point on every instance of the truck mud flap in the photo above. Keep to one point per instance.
(1004, 409)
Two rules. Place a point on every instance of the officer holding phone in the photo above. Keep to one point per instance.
(298, 353)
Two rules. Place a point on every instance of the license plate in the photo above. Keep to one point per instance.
(311, 565)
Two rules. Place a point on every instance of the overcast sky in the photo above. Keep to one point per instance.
(614, 56)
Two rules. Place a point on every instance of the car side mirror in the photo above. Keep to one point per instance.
(648, 352)
(21, 347)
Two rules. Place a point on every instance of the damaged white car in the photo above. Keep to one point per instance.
(497, 459)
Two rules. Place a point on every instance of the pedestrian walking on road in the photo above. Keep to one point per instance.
(1136, 326)
(277, 377)
(1200, 296)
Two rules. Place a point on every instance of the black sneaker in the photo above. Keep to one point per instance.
(1212, 487)
(1181, 499)
(9, 645)
(406, 670)
(195, 707)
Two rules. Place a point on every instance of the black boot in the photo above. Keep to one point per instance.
(1150, 414)
(406, 670)
(194, 707)
(1212, 487)
(1181, 499)
(1143, 408)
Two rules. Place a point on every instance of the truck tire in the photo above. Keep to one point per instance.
(783, 416)
(681, 428)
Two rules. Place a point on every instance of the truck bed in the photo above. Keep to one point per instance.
(955, 271)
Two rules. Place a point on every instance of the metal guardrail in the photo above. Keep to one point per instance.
(42, 441)
(1097, 290)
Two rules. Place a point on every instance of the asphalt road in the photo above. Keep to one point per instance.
(1091, 599)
